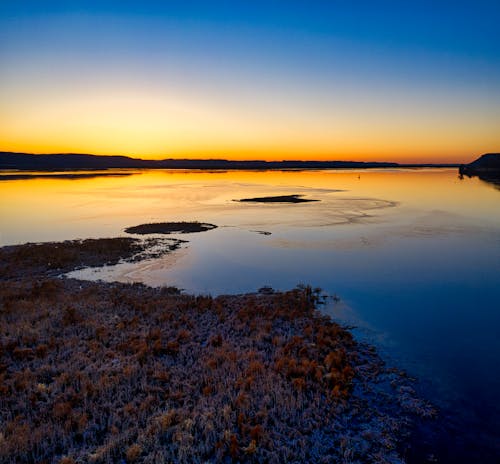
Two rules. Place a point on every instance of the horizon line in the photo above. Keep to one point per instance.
(208, 158)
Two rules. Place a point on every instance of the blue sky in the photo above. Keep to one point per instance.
(344, 73)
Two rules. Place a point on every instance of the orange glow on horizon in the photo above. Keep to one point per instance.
(156, 125)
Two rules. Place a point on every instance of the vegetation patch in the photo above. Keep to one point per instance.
(97, 373)
(170, 228)
(54, 258)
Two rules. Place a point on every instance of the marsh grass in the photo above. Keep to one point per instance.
(94, 372)
(53, 258)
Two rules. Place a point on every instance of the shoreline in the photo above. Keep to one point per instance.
(125, 371)
(13, 160)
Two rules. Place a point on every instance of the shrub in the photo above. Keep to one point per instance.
(133, 453)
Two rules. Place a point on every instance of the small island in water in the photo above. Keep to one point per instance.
(278, 199)
(170, 228)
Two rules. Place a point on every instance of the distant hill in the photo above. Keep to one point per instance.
(73, 161)
(486, 165)
(10, 160)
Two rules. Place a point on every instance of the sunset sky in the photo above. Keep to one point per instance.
(357, 80)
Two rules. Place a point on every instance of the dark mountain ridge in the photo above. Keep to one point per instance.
(63, 161)
(487, 164)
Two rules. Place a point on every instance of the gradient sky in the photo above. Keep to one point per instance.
(384, 80)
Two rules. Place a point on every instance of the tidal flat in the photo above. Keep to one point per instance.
(111, 372)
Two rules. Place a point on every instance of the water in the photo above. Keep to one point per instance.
(414, 256)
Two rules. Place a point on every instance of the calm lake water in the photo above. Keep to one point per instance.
(414, 256)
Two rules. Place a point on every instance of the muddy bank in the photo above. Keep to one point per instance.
(94, 372)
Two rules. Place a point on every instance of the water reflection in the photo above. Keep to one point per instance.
(413, 254)
(494, 181)
(30, 175)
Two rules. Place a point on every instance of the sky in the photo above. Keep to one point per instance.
(326, 80)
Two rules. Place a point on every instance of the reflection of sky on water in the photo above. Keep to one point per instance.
(414, 255)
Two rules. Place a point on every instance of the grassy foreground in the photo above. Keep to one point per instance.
(94, 372)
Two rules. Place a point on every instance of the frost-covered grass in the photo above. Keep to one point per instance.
(94, 372)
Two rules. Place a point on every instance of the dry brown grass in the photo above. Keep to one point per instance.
(93, 372)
